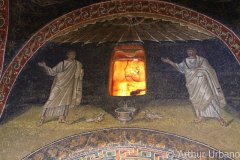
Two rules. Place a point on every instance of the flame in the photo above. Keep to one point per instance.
(129, 78)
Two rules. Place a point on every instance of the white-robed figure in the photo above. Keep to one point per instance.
(203, 86)
(66, 90)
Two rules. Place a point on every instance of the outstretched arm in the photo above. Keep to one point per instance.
(43, 65)
(168, 61)
(51, 71)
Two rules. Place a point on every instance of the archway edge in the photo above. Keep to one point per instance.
(106, 9)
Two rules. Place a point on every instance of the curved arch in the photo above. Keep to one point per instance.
(106, 10)
(4, 18)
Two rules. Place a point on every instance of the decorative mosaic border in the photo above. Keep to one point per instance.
(3, 30)
(125, 143)
(107, 10)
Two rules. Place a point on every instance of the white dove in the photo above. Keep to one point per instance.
(96, 119)
(151, 116)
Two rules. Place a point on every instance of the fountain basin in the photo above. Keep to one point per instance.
(125, 115)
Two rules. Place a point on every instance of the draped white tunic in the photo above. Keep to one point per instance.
(204, 90)
(66, 90)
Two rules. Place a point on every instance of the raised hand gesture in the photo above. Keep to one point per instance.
(166, 60)
(42, 64)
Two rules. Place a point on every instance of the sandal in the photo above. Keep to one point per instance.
(223, 123)
(62, 120)
(40, 122)
(198, 120)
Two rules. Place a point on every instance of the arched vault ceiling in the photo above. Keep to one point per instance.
(128, 28)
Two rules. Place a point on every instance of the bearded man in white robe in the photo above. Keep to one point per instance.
(203, 87)
(66, 90)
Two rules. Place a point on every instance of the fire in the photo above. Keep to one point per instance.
(128, 76)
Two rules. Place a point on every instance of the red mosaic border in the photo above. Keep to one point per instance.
(3, 30)
(106, 10)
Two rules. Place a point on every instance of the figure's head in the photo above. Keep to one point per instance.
(71, 54)
(191, 52)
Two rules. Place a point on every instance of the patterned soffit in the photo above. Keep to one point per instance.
(139, 29)
(44, 3)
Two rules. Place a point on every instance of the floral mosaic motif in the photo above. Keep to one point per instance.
(105, 10)
(125, 143)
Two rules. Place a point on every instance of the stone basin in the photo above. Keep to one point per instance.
(125, 114)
